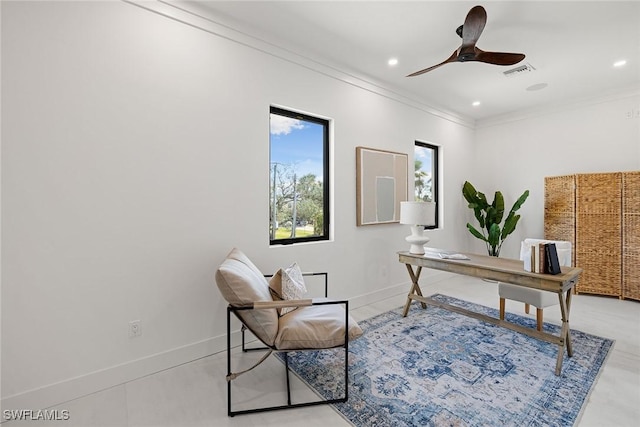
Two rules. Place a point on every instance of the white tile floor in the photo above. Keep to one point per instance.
(194, 394)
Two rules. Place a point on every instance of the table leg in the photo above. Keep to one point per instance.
(568, 310)
(415, 288)
(565, 333)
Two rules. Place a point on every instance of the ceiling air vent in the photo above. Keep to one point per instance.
(526, 68)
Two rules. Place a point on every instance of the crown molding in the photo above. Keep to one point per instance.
(193, 15)
(629, 92)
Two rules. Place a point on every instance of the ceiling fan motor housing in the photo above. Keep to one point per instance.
(466, 57)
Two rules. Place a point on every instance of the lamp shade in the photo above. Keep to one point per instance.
(418, 213)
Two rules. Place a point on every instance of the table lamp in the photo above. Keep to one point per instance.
(417, 215)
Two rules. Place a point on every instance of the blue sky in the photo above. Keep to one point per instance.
(424, 155)
(298, 143)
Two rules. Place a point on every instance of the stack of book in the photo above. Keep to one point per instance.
(544, 259)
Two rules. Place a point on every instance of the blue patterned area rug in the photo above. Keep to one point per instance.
(439, 368)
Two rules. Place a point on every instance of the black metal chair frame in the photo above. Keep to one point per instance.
(257, 306)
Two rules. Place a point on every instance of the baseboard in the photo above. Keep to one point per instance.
(58, 393)
(64, 391)
(434, 276)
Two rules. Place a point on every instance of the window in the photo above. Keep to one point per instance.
(426, 174)
(299, 177)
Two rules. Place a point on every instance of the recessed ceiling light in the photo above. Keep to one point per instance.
(393, 61)
(619, 63)
(537, 86)
(475, 103)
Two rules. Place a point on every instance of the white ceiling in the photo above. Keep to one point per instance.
(572, 45)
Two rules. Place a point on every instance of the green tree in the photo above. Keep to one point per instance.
(309, 200)
(422, 183)
(295, 200)
(282, 190)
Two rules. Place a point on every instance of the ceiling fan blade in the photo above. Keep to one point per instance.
(470, 32)
(452, 58)
(498, 58)
(473, 25)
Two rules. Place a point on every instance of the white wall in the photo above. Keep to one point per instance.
(134, 157)
(595, 135)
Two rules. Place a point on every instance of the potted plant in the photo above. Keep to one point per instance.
(490, 216)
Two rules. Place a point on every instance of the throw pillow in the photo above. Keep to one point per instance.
(287, 284)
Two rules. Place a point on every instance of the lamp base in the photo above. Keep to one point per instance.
(417, 239)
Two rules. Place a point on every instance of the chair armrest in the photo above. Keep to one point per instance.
(283, 303)
(258, 305)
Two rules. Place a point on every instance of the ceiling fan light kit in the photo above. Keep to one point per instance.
(470, 32)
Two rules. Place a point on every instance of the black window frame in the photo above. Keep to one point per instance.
(435, 184)
(326, 124)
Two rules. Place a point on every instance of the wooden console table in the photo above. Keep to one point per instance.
(502, 270)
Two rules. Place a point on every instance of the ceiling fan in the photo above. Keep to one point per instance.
(470, 33)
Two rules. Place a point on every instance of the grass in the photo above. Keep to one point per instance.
(285, 233)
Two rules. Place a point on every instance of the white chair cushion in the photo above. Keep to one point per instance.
(319, 326)
(536, 298)
(241, 283)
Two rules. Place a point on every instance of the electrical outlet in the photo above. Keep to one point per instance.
(135, 329)
(633, 113)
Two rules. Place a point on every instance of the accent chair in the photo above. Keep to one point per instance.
(314, 324)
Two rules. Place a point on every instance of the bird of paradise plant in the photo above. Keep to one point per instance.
(490, 217)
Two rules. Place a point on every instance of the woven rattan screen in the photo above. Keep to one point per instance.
(598, 232)
(560, 210)
(631, 235)
(600, 214)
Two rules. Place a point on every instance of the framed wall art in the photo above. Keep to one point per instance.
(382, 182)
